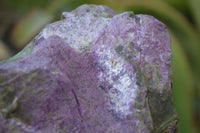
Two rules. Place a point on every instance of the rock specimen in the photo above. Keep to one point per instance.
(95, 71)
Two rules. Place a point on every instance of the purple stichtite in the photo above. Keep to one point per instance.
(94, 71)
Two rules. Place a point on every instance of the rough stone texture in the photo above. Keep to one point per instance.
(92, 72)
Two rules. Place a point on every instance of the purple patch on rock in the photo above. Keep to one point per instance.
(94, 71)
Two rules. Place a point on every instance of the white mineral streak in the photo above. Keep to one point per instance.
(123, 90)
(88, 27)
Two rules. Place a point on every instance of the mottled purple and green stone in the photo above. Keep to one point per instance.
(94, 71)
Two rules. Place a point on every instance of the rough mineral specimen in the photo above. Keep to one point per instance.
(95, 71)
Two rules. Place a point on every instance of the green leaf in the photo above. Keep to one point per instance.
(181, 5)
(183, 87)
(194, 7)
(29, 26)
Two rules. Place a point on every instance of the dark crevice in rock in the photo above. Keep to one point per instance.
(78, 104)
(84, 127)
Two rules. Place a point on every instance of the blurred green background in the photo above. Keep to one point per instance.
(21, 20)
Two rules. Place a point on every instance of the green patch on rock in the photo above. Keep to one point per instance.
(162, 109)
(119, 49)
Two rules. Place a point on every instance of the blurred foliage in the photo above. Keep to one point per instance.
(23, 19)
